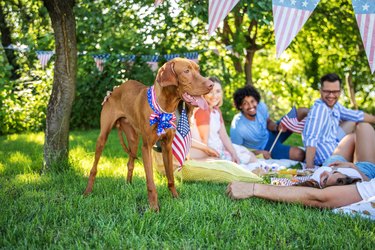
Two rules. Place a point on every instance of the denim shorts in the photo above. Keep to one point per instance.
(340, 134)
(332, 159)
(367, 168)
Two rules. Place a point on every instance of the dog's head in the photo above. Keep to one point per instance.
(185, 75)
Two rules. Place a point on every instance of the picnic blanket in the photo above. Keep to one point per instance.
(364, 209)
(270, 164)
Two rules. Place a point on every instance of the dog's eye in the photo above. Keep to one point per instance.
(187, 71)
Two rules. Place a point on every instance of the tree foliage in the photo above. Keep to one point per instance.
(329, 42)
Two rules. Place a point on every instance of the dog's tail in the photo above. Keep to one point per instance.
(109, 93)
(122, 142)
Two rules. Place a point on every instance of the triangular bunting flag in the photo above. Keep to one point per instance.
(44, 57)
(192, 56)
(365, 14)
(217, 11)
(152, 62)
(288, 17)
(169, 57)
(158, 2)
(100, 60)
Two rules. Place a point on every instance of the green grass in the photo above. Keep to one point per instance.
(49, 211)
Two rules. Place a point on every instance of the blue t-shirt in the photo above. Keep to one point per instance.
(251, 134)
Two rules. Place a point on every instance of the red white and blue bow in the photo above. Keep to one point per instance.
(162, 119)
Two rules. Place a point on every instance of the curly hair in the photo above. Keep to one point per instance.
(241, 93)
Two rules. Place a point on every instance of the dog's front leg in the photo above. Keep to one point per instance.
(166, 145)
(147, 163)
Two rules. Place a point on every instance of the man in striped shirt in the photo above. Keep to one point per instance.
(320, 135)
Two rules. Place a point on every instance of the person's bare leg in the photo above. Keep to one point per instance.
(348, 126)
(346, 147)
(365, 150)
(296, 154)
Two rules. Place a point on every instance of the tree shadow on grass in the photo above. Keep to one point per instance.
(21, 164)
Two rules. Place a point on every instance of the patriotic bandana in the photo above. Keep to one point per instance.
(162, 119)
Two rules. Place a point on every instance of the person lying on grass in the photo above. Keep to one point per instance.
(334, 189)
(359, 148)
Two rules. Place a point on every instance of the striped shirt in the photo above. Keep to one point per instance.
(321, 128)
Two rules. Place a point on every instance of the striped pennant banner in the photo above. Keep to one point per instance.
(100, 60)
(152, 61)
(192, 56)
(217, 11)
(288, 17)
(365, 14)
(44, 57)
(171, 56)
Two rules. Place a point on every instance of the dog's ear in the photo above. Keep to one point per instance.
(166, 75)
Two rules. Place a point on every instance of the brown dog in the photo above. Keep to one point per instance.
(128, 108)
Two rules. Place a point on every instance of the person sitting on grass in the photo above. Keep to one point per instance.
(253, 128)
(331, 193)
(322, 131)
(209, 129)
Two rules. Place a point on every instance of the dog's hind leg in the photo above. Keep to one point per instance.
(166, 145)
(100, 143)
(107, 121)
(133, 140)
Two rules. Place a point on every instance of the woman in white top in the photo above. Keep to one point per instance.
(208, 127)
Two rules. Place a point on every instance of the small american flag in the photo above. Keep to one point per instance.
(182, 140)
(100, 60)
(365, 14)
(217, 11)
(44, 57)
(291, 122)
(288, 17)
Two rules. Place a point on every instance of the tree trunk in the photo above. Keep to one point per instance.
(56, 146)
(248, 66)
(6, 40)
(350, 87)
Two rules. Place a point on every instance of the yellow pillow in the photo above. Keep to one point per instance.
(220, 171)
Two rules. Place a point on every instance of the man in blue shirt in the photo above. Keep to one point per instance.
(323, 121)
(254, 129)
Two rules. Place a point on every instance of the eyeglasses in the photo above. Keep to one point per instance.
(334, 92)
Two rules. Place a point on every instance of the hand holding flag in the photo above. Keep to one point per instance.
(290, 122)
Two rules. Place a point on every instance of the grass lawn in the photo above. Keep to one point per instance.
(48, 211)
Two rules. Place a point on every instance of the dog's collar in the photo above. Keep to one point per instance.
(162, 119)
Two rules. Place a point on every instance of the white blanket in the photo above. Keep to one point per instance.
(365, 209)
(271, 164)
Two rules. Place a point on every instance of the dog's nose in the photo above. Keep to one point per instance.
(210, 84)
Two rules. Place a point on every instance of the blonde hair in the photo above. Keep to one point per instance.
(216, 80)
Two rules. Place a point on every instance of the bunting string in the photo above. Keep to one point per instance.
(289, 16)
